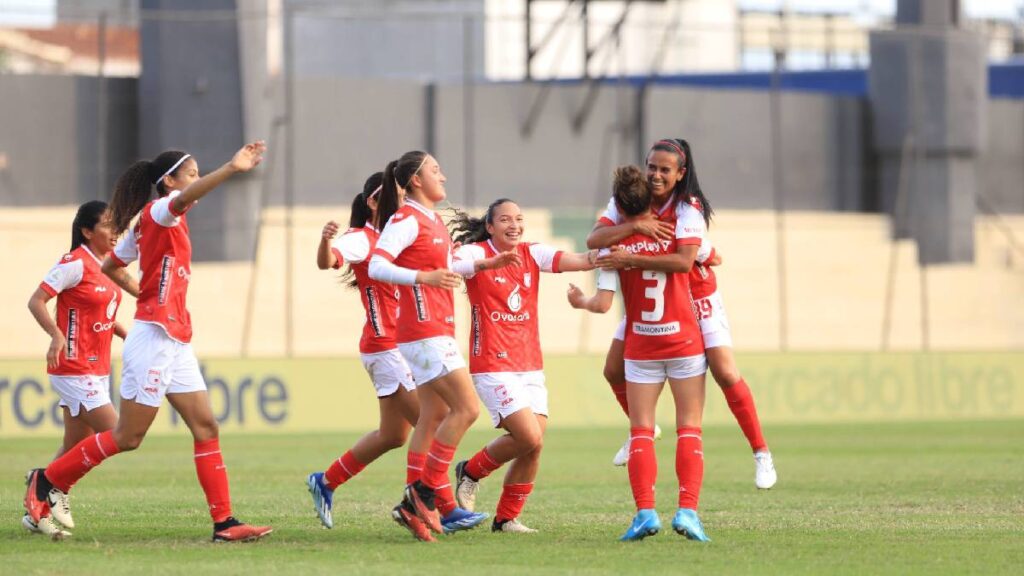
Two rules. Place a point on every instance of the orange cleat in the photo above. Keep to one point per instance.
(407, 519)
(35, 507)
(234, 531)
(420, 498)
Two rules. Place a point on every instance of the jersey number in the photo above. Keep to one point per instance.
(655, 293)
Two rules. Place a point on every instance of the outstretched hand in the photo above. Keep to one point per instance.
(330, 230)
(249, 156)
(575, 296)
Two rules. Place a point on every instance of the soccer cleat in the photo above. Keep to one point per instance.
(34, 506)
(465, 487)
(231, 530)
(60, 507)
(764, 470)
(688, 524)
(621, 457)
(421, 500)
(513, 526)
(461, 519)
(406, 518)
(645, 523)
(28, 524)
(49, 527)
(323, 498)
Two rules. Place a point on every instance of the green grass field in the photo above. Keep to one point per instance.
(854, 499)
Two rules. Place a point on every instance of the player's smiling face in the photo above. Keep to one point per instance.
(663, 172)
(101, 238)
(186, 174)
(506, 226)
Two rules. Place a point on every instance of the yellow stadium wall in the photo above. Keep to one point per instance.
(301, 395)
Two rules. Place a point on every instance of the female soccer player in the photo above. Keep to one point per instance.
(391, 377)
(662, 341)
(415, 252)
(158, 356)
(505, 356)
(672, 176)
(78, 360)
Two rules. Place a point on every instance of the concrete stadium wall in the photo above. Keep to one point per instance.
(49, 136)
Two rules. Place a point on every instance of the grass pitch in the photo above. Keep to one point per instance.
(852, 499)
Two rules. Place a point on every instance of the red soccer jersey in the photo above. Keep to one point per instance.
(660, 323)
(87, 303)
(504, 336)
(702, 278)
(159, 240)
(380, 300)
(415, 237)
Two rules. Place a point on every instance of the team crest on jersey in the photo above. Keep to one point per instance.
(527, 279)
(67, 257)
(515, 301)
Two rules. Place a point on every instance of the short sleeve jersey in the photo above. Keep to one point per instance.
(702, 278)
(504, 335)
(660, 321)
(380, 300)
(416, 238)
(87, 303)
(160, 242)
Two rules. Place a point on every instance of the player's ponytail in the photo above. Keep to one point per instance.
(362, 215)
(630, 190)
(87, 217)
(134, 187)
(691, 186)
(466, 230)
(397, 175)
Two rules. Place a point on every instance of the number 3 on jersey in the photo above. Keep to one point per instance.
(655, 293)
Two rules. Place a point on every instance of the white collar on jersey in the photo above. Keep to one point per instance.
(86, 248)
(671, 202)
(426, 211)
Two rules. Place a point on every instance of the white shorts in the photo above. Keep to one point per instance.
(87, 390)
(431, 358)
(714, 324)
(505, 393)
(656, 371)
(156, 365)
(388, 371)
(620, 330)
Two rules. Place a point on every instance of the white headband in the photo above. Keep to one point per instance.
(374, 193)
(172, 168)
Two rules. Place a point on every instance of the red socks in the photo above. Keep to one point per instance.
(741, 402)
(689, 465)
(414, 463)
(342, 470)
(481, 465)
(213, 477)
(643, 466)
(513, 498)
(435, 475)
(75, 463)
(619, 389)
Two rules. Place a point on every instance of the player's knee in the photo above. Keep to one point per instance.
(206, 429)
(725, 376)
(393, 439)
(532, 442)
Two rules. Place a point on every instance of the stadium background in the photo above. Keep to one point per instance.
(870, 215)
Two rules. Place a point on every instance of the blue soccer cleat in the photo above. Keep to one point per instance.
(462, 519)
(323, 498)
(645, 523)
(688, 524)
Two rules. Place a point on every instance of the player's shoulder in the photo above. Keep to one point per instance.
(73, 256)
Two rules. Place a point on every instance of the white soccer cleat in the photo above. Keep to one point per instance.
(28, 524)
(513, 526)
(764, 470)
(621, 457)
(50, 528)
(60, 507)
(466, 488)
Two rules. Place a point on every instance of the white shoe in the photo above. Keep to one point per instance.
(29, 524)
(764, 470)
(465, 488)
(621, 457)
(49, 527)
(514, 526)
(60, 507)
